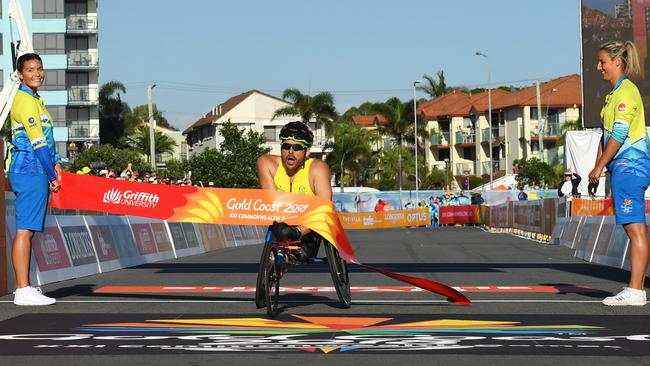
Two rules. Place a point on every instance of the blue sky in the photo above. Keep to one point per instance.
(205, 51)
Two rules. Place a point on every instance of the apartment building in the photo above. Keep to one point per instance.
(462, 136)
(252, 110)
(64, 33)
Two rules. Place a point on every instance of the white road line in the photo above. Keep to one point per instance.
(322, 301)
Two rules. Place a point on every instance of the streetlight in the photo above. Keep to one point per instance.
(489, 115)
(446, 160)
(152, 127)
(543, 122)
(415, 122)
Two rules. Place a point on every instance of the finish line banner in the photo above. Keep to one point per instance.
(220, 206)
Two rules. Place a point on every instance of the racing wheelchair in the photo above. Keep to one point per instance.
(279, 255)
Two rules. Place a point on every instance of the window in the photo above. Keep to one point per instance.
(1, 43)
(77, 79)
(47, 9)
(54, 80)
(76, 8)
(78, 116)
(270, 133)
(76, 44)
(49, 43)
(533, 113)
(58, 115)
(2, 78)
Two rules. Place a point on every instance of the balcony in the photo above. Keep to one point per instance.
(551, 132)
(486, 166)
(464, 169)
(83, 131)
(465, 138)
(83, 95)
(440, 140)
(485, 135)
(81, 24)
(83, 60)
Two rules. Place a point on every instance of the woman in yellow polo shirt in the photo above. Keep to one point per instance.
(625, 151)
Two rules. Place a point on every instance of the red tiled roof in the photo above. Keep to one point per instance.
(223, 108)
(369, 121)
(560, 92)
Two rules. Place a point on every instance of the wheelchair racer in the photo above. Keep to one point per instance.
(295, 171)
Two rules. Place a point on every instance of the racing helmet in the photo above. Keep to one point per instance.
(297, 131)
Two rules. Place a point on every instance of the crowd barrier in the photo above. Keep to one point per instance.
(73, 246)
(597, 207)
(389, 219)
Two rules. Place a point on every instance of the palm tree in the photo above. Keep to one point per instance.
(140, 141)
(569, 126)
(433, 87)
(319, 108)
(397, 125)
(112, 113)
(350, 149)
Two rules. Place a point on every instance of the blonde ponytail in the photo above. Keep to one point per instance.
(628, 53)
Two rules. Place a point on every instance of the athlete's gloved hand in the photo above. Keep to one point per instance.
(283, 232)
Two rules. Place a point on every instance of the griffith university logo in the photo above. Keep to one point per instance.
(131, 198)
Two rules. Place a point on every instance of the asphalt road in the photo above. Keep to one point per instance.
(532, 304)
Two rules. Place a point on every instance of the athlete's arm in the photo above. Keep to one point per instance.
(267, 165)
(319, 175)
(29, 117)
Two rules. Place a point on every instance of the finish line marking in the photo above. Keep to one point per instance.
(361, 302)
(328, 289)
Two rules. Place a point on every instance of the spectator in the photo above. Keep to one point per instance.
(379, 207)
(522, 196)
(569, 187)
(409, 205)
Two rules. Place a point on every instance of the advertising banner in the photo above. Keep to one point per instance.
(379, 220)
(212, 237)
(49, 249)
(104, 244)
(219, 206)
(144, 238)
(161, 236)
(459, 214)
(178, 237)
(79, 245)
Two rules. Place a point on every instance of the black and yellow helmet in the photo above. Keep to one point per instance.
(297, 131)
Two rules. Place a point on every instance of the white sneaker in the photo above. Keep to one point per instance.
(31, 296)
(629, 296)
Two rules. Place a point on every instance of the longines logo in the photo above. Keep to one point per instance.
(130, 198)
(321, 334)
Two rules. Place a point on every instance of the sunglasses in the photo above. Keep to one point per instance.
(295, 147)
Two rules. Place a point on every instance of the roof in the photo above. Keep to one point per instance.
(369, 121)
(561, 92)
(218, 111)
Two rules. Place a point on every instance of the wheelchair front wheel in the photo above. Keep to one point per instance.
(339, 272)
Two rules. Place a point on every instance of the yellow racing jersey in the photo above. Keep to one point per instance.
(624, 105)
(32, 149)
(300, 182)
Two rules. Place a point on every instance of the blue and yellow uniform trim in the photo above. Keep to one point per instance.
(32, 149)
(300, 182)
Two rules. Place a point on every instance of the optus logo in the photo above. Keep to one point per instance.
(131, 198)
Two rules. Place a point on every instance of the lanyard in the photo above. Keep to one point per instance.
(618, 83)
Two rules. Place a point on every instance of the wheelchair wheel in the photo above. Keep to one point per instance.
(261, 286)
(339, 272)
(272, 281)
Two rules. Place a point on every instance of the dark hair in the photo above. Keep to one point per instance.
(297, 131)
(20, 63)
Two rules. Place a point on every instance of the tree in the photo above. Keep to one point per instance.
(109, 157)
(396, 126)
(433, 87)
(234, 163)
(176, 169)
(574, 125)
(533, 173)
(112, 113)
(140, 114)
(350, 148)
(394, 161)
(140, 141)
(319, 108)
